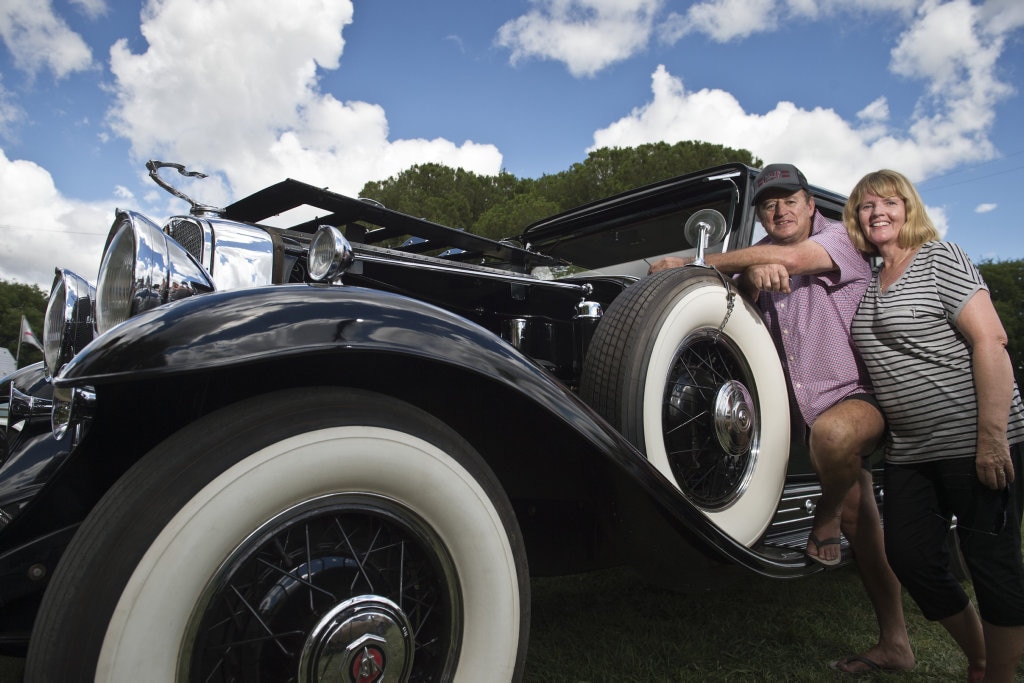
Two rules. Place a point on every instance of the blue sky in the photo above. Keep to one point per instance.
(337, 93)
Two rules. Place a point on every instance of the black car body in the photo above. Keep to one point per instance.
(261, 452)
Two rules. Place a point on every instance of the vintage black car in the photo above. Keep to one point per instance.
(341, 447)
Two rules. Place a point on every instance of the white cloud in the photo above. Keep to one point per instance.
(212, 92)
(587, 35)
(876, 111)
(10, 113)
(939, 219)
(457, 41)
(35, 218)
(38, 39)
(985, 208)
(91, 8)
(723, 20)
(874, 120)
(952, 51)
(726, 20)
(715, 116)
(1002, 16)
(953, 48)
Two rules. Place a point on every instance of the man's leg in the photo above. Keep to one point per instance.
(862, 525)
(839, 437)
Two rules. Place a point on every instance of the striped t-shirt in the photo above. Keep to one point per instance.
(919, 363)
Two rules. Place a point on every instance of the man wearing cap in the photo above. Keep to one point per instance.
(808, 280)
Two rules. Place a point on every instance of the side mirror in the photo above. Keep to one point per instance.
(704, 227)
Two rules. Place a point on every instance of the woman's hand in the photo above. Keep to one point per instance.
(995, 468)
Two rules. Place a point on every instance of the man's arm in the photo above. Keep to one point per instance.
(804, 258)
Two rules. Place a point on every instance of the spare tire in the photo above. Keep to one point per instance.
(684, 367)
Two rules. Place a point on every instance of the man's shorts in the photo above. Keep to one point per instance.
(867, 398)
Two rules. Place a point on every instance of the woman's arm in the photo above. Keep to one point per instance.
(993, 384)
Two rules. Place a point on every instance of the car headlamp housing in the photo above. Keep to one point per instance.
(69, 323)
(143, 268)
(330, 254)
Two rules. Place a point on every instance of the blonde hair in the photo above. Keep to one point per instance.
(918, 228)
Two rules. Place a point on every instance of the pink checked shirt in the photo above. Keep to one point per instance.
(811, 324)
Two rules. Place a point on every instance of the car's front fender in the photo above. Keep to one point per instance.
(249, 326)
(559, 442)
(244, 327)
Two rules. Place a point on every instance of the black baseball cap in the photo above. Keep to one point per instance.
(783, 177)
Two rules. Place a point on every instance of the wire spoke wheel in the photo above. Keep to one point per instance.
(684, 367)
(313, 534)
(710, 425)
(351, 583)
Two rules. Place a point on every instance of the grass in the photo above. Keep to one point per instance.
(610, 626)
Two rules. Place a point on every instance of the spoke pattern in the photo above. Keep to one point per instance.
(704, 471)
(275, 590)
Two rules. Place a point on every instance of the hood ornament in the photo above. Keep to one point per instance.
(197, 208)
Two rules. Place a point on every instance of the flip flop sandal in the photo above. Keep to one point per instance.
(818, 545)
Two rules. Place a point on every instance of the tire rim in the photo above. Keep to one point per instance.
(349, 587)
(710, 422)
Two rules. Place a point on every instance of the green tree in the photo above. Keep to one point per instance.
(610, 170)
(503, 219)
(453, 197)
(503, 205)
(17, 300)
(1005, 280)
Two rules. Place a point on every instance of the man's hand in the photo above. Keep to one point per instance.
(668, 262)
(767, 277)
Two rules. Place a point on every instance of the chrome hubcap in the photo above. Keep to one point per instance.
(734, 418)
(366, 639)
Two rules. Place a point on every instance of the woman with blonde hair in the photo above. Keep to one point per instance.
(935, 350)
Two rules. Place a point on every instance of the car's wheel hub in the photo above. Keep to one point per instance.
(733, 417)
(709, 420)
(366, 639)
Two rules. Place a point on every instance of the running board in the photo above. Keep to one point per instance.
(793, 517)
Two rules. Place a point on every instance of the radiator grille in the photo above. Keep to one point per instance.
(189, 235)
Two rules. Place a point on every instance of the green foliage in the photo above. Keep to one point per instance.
(609, 171)
(520, 210)
(453, 197)
(503, 205)
(18, 299)
(1005, 280)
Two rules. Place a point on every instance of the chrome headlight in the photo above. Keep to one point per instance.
(330, 254)
(143, 268)
(68, 326)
